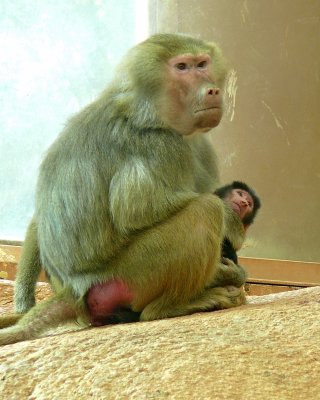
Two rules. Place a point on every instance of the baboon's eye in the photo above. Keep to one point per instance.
(181, 66)
(202, 64)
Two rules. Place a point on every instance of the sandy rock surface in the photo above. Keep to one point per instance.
(267, 349)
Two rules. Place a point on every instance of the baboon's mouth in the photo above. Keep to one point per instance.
(206, 109)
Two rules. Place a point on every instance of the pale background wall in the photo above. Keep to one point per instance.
(270, 138)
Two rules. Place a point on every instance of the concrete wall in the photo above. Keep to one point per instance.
(270, 136)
